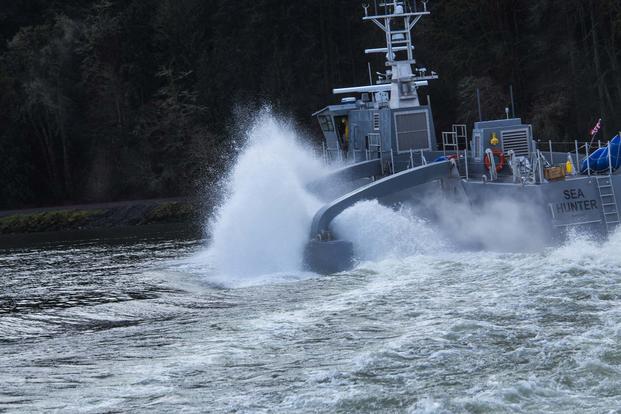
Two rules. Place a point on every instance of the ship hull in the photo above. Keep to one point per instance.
(548, 211)
(494, 215)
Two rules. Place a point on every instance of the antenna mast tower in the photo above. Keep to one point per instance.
(397, 19)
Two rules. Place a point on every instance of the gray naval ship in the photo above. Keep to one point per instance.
(384, 135)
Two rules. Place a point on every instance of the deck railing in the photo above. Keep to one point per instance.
(577, 150)
(545, 153)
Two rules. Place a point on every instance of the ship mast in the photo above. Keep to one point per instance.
(397, 19)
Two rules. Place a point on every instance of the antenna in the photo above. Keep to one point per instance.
(397, 19)
(512, 101)
(479, 104)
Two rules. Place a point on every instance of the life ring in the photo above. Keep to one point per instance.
(501, 160)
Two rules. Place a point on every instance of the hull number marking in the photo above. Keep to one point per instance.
(575, 201)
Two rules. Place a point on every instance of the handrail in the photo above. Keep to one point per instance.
(580, 150)
(493, 174)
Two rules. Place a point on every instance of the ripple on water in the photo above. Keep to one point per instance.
(131, 327)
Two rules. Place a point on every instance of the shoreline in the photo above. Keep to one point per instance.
(101, 216)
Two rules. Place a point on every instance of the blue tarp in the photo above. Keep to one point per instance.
(598, 160)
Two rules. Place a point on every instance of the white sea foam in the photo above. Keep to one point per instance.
(264, 223)
(379, 232)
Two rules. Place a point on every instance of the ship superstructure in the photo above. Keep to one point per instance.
(388, 114)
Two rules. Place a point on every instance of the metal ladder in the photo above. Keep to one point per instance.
(461, 130)
(450, 145)
(609, 201)
(451, 140)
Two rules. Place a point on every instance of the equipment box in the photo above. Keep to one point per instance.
(554, 173)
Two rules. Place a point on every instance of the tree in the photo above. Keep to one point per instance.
(42, 59)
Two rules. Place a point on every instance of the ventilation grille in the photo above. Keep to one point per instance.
(376, 121)
(517, 141)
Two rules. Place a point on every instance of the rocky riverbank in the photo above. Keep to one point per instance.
(101, 216)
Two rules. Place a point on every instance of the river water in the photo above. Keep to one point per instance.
(97, 327)
(233, 325)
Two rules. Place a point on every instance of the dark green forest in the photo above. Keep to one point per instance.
(128, 99)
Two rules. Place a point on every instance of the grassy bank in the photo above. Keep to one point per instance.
(101, 216)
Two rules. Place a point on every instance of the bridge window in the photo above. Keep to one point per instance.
(326, 123)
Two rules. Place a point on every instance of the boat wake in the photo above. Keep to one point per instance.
(381, 233)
